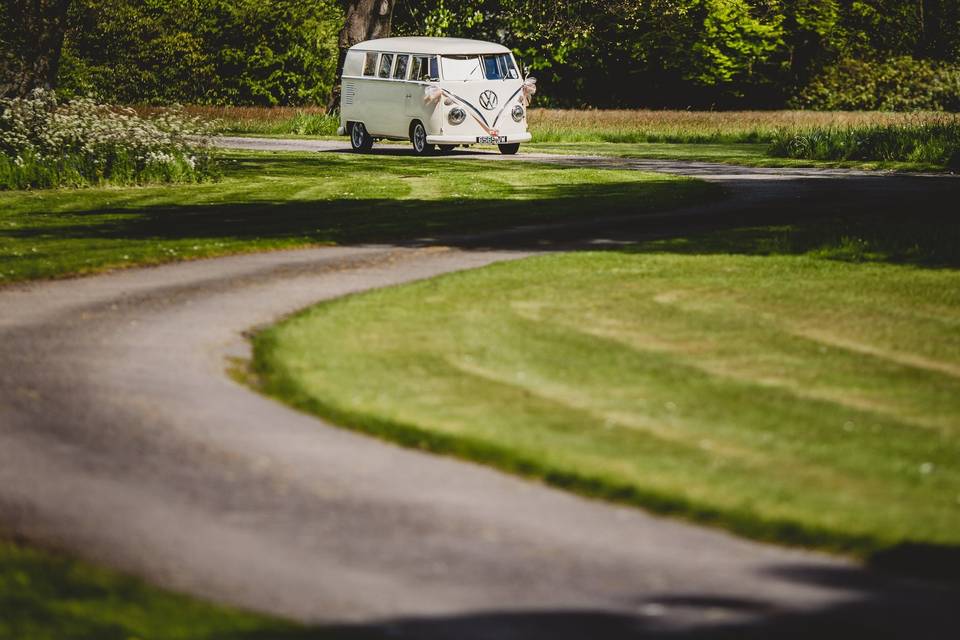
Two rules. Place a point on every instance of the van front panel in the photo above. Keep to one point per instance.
(488, 106)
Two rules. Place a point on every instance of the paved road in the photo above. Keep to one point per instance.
(123, 440)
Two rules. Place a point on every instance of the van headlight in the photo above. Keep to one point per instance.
(456, 115)
(517, 113)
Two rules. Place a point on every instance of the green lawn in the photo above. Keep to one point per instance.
(794, 383)
(283, 200)
(45, 596)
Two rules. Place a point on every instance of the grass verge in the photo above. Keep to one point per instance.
(44, 596)
(282, 200)
(799, 384)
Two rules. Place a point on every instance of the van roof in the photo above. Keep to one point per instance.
(449, 46)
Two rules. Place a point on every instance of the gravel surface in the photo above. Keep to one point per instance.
(124, 441)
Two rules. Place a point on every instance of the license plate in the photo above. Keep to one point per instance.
(491, 139)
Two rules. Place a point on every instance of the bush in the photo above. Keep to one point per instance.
(46, 144)
(913, 141)
(898, 84)
(210, 52)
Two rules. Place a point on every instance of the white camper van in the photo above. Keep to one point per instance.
(435, 92)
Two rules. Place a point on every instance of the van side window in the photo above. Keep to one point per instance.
(386, 63)
(400, 72)
(424, 68)
(370, 64)
(421, 69)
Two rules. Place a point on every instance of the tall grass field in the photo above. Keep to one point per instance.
(935, 142)
(685, 127)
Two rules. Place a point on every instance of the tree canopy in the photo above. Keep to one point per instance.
(899, 54)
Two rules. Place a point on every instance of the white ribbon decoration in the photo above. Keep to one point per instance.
(529, 88)
(432, 95)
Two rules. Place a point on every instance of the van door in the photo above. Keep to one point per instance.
(401, 93)
(414, 90)
(423, 72)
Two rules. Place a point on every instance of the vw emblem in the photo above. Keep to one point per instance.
(488, 100)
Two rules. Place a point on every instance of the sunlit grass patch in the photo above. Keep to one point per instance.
(788, 394)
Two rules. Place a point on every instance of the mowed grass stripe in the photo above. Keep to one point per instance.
(689, 384)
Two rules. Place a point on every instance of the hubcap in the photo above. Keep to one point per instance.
(357, 135)
(419, 137)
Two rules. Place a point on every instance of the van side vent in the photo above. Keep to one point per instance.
(349, 92)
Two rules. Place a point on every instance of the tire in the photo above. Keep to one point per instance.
(418, 138)
(509, 149)
(446, 148)
(360, 140)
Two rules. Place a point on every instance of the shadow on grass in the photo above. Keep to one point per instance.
(45, 596)
(900, 219)
(372, 219)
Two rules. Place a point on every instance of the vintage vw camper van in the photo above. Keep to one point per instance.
(435, 92)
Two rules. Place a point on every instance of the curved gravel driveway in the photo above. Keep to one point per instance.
(123, 440)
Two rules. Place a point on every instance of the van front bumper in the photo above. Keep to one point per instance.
(512, 138)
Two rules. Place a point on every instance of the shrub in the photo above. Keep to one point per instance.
(44, 143)
(898, 84)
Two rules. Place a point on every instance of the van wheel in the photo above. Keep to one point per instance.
(446, 148)
(360, 140)
(418, 136)
(509, 149)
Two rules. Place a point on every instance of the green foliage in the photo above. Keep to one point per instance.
(701, 53)
(599, 53)
(897, 84)
(937, 143)
(730, 42)
(45, 143)
(244, 52)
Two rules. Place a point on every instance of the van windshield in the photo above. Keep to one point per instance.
(492, 67)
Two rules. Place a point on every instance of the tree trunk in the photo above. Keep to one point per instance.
(365, 20)
(31, 36)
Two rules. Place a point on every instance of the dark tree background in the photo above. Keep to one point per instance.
(868, 54)
(31, 39)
